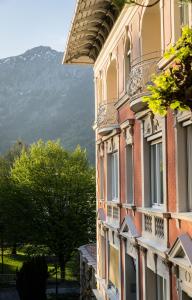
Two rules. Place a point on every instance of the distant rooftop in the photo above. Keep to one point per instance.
(89, 253)
(91, 26)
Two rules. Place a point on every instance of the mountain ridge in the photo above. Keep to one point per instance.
(41, 98)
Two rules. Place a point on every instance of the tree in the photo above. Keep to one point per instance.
(14, 207)
(62, 190)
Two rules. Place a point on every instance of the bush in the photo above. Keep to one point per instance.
(32, 278)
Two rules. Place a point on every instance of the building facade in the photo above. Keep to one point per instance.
(143, 161)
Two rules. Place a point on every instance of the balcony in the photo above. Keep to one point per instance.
(140, 76)
(107, 118)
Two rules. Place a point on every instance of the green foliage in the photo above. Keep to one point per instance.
(14, 204)
(61, 188)
(173, 87)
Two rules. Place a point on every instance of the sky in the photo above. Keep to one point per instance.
(25, 24)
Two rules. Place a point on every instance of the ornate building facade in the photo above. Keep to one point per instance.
(143, 162)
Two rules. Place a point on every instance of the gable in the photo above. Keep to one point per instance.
(128, 228)
(181, 251)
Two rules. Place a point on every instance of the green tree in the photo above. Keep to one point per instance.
(62, 190)
(15, 210)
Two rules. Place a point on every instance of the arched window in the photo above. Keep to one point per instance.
(151, 33)
(112, 92)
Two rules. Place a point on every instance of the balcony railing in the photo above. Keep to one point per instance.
(154, 227)
(107, 117)
(140, 76)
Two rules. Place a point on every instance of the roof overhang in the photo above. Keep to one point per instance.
(91, 26)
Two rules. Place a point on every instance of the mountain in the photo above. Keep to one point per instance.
(41, 98)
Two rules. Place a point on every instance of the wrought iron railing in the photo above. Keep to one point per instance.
(107, 114)
(141, 74)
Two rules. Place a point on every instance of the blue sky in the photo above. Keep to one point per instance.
(25, 24)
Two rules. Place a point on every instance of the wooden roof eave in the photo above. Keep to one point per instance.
(91, 25)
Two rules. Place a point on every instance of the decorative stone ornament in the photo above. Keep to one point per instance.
(157, 124)
(148, 125)
(113, 144)
(101, 150)
(129, 135)
(110, 146)
(152, 124)
(128, 130)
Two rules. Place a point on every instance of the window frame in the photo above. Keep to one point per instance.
(112, 176)
(156, 182)
(129, 163)
(101, 179)
(189, 170)
(184, 14)
(184, 204)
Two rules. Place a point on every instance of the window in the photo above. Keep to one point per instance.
(156, 286)
(129, 174)
(114, 275)
(189, 166)
(184, 162)
(113, 176)
(184, 14)
(161, 288)
(101, 177)
(156, 173)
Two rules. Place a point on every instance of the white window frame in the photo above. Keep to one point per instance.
(183, 173)
(101, 178)
(164, 281)
(189, 167)
(156, 182)
(129, 174)
(113, 176)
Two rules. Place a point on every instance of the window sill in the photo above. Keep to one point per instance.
(114, 203)
(184, 216)
(129, 206)
(101, 200)
(155, 211)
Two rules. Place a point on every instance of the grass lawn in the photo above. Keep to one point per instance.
(12, 263)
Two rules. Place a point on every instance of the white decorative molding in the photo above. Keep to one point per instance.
(110, 146)
(157, 124)
(148, 125)
(101, 149)
(152, 124)
(183, 116)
